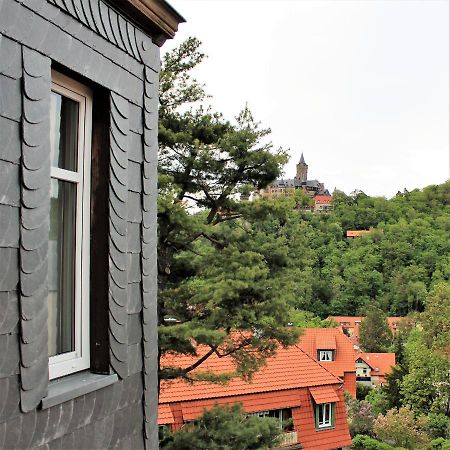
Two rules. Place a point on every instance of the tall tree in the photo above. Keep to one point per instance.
(374, 333)
(217, 272)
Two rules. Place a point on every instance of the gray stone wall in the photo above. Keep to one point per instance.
(91, 39)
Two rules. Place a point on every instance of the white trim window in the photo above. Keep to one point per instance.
(69, 236)
(324, 415)
(325, 355)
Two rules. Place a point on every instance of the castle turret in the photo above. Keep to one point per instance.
(302, 170)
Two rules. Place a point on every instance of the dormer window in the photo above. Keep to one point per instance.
(326, 355)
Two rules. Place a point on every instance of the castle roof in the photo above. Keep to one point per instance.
(295, 182)
(302, 160)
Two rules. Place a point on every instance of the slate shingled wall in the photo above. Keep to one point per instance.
(90, 38)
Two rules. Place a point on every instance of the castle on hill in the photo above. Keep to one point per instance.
(313, 188)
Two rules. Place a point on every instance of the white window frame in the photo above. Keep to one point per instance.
(325, 355)
(79, 359)
(325, 423)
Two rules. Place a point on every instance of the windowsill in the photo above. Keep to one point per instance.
(75, 385)
(331, 427)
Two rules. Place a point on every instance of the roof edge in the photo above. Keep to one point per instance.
(157, 17)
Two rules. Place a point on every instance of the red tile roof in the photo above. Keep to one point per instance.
(355, 321)
(165, 415)
(314, 339)
(357, 233)
(381, 363)
(290, 368)
(324, 394)
(393, 322)
(323, 199)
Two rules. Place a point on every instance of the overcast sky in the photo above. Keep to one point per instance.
(361, 87)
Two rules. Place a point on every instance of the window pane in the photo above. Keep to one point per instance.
(327, 412)
(64, 132)
(61, 268)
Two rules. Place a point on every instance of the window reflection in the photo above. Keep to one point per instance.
(61, 267)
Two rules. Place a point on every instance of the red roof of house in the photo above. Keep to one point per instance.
(355, 321)
(324, 394)
(290, 368)
(165, 415)
(314, 339)
(393, 322)
(323, 199)
(381, 363)
(356, 233)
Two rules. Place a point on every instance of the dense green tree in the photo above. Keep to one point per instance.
(226, 265)
(225, 428)
(426, 386)
(400, 428)
(374, 333)
(379, 400)
(219, 270)
(435, 320)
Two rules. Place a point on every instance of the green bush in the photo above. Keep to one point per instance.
(438, 426)
(362, 442)
(439, 444)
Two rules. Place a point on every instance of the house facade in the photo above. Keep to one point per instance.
(78, 162)
(291, 386)
(334, 351)
(372, 368)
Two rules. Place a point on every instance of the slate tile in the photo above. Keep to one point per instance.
(9, 355)
(9, 226)
(9, 312)
(133, 237)
(11, 58)
(135, 147)
(134, 358)
(134, 296)
(9, 269)
(10, 144)
(134, 207)
(134, 329)
(133, 267)
(136, 118)
(11, 98)
(9, 184)
(134, 176)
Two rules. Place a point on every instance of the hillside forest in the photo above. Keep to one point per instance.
(227, 263)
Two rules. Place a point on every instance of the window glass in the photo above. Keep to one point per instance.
(64, 132)
(325, 355)
(69, 234)
(61, 267)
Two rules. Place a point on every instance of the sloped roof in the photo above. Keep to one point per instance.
(393, 322)
(356, 233)
(314, 339)
(381, 363)
(291, 368)
(355, 321)
(326, 199)
(165, 415)
(324, 394)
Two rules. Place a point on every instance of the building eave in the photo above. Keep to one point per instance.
(156, 17)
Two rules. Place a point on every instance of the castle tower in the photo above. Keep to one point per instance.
(302, 170)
